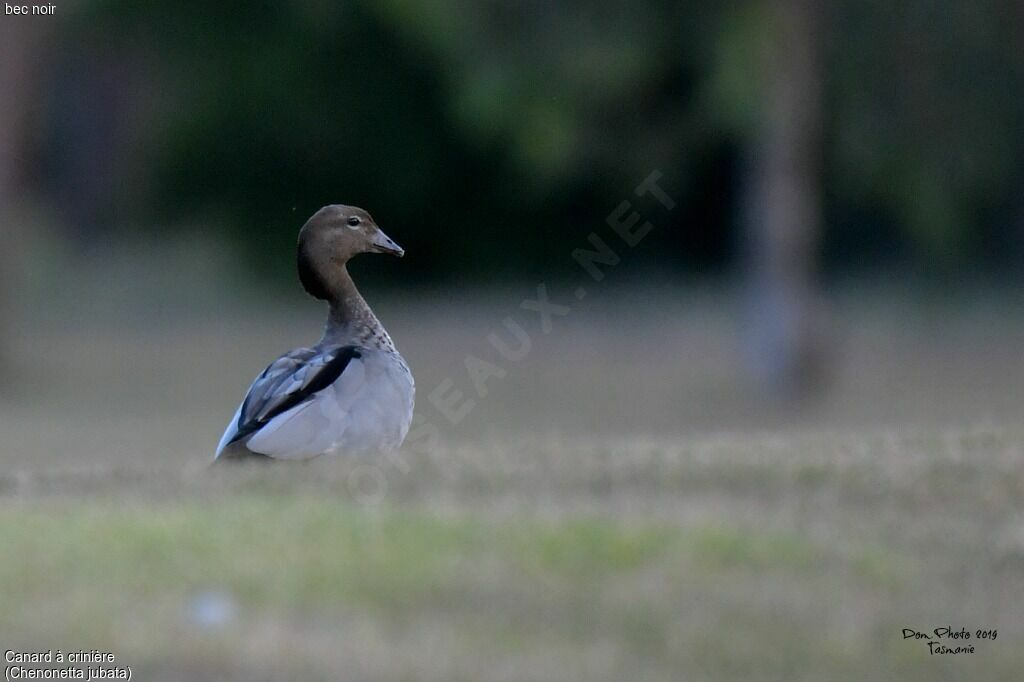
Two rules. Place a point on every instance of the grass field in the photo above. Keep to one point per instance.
(621, 506)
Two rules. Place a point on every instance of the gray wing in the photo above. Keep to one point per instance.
(292, 379)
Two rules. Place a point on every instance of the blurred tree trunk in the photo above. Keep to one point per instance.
(19, 51)
(783, 203)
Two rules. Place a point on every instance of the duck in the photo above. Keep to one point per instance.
(350, 394)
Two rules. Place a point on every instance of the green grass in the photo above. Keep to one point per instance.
(309, 552)
(809, 585)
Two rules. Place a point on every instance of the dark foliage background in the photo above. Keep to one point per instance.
(490, 137)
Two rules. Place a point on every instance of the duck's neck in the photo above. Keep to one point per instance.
(349, 318)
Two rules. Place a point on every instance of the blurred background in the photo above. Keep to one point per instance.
(809, 370)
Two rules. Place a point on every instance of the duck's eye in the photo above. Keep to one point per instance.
(354, 221)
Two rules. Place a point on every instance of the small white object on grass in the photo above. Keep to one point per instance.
(212, 610)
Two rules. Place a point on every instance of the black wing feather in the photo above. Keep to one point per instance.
(250, 419)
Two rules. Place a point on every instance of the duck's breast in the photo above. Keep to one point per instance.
(378, 420)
